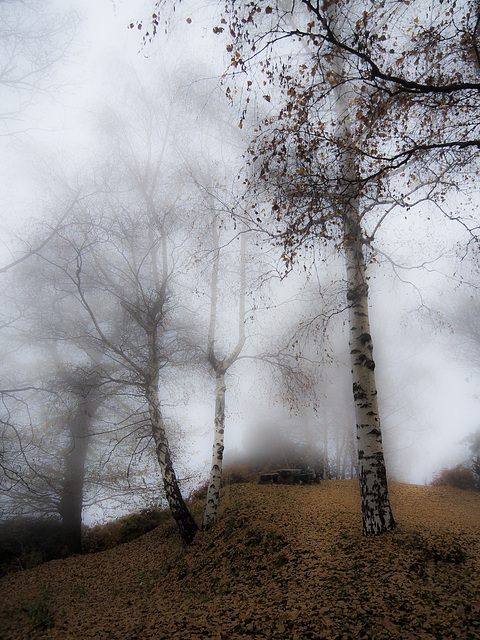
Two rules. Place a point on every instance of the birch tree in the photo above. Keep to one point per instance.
(336, 215)
(220, 364)
(374, 111)
(121, 278)
(376, 510)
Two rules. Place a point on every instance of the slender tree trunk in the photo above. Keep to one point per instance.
(184, 519)
(339, 449)
(353, 456)
(71, 502)
(213, 493)
(220, 367)
(376, 511)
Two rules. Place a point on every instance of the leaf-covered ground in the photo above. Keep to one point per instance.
(283, 562)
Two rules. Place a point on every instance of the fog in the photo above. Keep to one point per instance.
(107, 112)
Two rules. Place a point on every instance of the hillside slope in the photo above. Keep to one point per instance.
(283, 563)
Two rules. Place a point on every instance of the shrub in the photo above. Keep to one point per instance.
(459, 477)
(27, 542)
(125, 529)
(237, 473)
(199, 494)
(137, 524)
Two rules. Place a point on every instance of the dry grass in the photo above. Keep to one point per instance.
(283, 563)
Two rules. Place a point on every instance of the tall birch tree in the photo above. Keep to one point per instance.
(336, 215)
(220, 364)
(376, 510)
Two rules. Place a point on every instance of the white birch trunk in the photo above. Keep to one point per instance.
(213, 493)
(185, 522)
(150, 323)
(376, 512)
(220, 367)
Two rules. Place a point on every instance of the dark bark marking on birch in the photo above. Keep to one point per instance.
(182, 516)
(376, 512)
(210, 514)
(364, 361)
(359, 392)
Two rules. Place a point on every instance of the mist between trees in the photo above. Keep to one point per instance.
(234, 242)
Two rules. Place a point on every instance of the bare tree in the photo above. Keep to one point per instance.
(34, 38)
(122, 279)
(49, 416)
(85, 389)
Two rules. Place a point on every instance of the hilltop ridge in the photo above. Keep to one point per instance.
(283, 562)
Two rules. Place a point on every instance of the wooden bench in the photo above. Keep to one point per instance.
(268, 478)
(288, 476)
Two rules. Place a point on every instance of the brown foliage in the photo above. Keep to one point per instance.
(239, 473)
(282, 563)
(459, 477)
(122, 530)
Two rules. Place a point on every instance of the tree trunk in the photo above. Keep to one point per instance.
(184, 519)
(376, 511)
(71, 501)
(220, 367)
(339, 452)
(326, 462)
(213, 493)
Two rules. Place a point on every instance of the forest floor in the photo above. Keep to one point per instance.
(283, 562)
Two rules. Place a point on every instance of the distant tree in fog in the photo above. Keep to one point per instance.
(51, 412)
(120, 275)
(34, 39)
(85, 390)
(48, 470)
